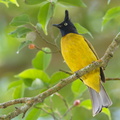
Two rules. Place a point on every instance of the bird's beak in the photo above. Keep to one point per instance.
(56, 25)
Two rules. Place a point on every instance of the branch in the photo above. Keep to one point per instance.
(110, 50)
(37, 31)
(13, 102)
(109, 79)
(46, 51)
(29, 102)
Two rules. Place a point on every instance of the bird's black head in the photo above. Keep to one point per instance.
(66, 26)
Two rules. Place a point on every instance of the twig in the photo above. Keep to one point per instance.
(65, 102)
(47, 112)
(56, 40)
(68, 111)
(109, 79)
(51, 108)
(110, 50)
(46, 51)
(13, 102)
(39, 98)
(23, 109)
(69, 73)
(41, 35)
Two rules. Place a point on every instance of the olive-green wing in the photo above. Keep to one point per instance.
(93, 50)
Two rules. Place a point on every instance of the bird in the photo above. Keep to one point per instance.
(77, 53)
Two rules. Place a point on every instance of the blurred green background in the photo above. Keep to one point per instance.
(90, 17)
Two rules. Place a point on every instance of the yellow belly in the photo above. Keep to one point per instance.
(77, 54)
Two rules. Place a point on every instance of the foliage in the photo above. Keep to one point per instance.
(41, 61)
(6, 2)
(82, 30)
(44, 17)
(112, 13)
(35, 80)
(45, 13)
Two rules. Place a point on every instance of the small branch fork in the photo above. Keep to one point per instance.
(31, 101)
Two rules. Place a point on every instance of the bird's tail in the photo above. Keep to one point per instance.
(99, 100)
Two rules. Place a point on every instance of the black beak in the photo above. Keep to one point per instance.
(57, 25)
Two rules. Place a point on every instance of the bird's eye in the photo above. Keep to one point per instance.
(65, 24)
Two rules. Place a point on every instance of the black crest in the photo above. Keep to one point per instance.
(66, 26)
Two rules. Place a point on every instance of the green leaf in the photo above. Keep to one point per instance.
(45, 14)
(15, 84)
(57, 77)
(5, 2)
(86, 104)
(33, 114)
(20, 20)
(23, 44)
(42, 59)
(37, 84)
(28, 81)
(78, 87)
(107, 112)
(77, 3)
(20, 32)
(82, 30)
(14, 2)
(33, 2)
(32, 74)
(18, 92)
(111, 14)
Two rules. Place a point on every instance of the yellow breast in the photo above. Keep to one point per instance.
(77, 54)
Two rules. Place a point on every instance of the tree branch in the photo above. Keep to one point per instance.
(29, 102)
(38, 32)
(13, 102)
(109, 79)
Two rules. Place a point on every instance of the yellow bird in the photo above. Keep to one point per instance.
(78, 53)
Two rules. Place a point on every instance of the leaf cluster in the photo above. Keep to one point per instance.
(36, 78)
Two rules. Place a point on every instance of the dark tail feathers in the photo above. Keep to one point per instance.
(99, 100)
